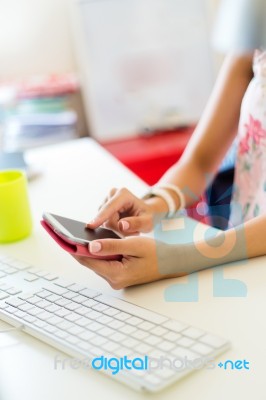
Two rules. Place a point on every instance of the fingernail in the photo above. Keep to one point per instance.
(95, 247)
(125, 225)
(91, 222)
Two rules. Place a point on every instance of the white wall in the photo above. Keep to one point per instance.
(36, 37)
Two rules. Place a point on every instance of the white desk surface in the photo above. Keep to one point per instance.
(76, 177)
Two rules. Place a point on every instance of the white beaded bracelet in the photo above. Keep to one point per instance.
(161, 191)
(165, 195)
(177, 191)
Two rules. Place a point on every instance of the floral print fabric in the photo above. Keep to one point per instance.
(249, 197)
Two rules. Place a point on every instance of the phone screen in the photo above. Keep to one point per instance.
(77, 229)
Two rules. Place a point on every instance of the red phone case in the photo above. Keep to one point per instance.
(74, 248)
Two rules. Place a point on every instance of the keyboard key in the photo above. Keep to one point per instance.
(35, 311)
(139, 334)
(39, 323)
(50, 328)
(29, 318)
(119, 325)
(193, 333)
(127, 329)
(82, 321)
(89, 303)
(213, 341)
(99, 307)
(25, 307)
(108, 332)
(152, 340)
(8, 270)
(143, 348)
(123, 351)
(72, 317)
(19, 265)
(65, 325)
(2, 275)
(55, 320)
(13, 291)
(110, 346)
(62, 302)
(75, 287)
(132, 309)
(89, 293)
(53, 308)
(61, 334)
(166, 346)
(15, 302)
(55, 289)
(72, 339)
(172, 336)
(85, 346)
(3, 305)
(98, 340)
(122, 316)
(45, 315)
(41, 274)
(72, 306)
(63, 283)
(130, 342)
(82, 310)
(10, 309)
(75, 330)
(34, 300)
(104, 319)
(50, 277)
(70, 295)
(30, 278)
(94, 326)
(25, 296)
(202, 349)
(134, 321)
(43, 304)
(93, 314)
(111, 311)
(86, 335)
(118, 337)
(20, 314)
(62, 312)
(79, 299)
(185, 341)
(53, 298)
(175, 326)
(146, 326)
(185, 353)
(43, 294)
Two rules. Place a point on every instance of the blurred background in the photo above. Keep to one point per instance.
(133, 74)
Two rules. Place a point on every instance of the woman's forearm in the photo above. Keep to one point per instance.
(215, 131)
(243, 242)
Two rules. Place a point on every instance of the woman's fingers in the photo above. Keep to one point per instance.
(142, 223)
(119, 202)
(132, 246)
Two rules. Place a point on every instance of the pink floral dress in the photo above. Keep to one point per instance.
(249, 198)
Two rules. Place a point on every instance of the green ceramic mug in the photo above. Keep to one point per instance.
(15, 216)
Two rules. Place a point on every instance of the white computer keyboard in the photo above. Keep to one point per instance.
(85, 324)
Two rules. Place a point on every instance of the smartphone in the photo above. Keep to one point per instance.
(74, 237)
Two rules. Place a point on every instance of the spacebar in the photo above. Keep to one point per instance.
(132, 309)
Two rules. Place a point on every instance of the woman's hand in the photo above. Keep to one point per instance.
(138, 264)
(127, 214)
